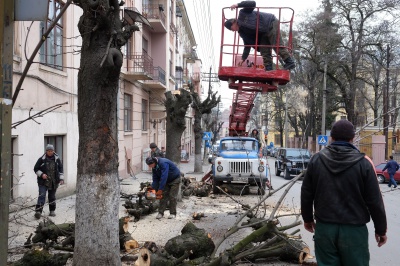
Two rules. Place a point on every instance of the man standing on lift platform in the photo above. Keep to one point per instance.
(246, 25)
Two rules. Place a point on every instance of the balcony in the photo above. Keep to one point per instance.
(155, 15)
(139, 67)
(158, 81)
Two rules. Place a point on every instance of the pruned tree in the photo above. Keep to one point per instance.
(97, 188)
(200, 108)
(176, 106)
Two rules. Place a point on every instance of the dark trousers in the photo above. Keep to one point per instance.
(270, 38)
(170, 193)
(392, 181)
(43, 190)
(341, 245)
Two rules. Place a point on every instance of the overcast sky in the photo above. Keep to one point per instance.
(206, 21)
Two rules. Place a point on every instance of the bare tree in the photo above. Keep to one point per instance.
(176, 106)
(97, 190)
(200, 108)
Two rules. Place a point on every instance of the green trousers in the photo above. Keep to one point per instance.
(170, 194)
(341, 244)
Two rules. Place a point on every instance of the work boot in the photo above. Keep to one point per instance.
(52, 213)
(172, 216)
(269, 67)
(38, 215)
(289, 64)
(159, 216)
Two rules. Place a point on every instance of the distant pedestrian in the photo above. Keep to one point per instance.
(155, 151)
(391, 166)
(166, 180)
(49, 172)
(341, 192)
(163, 152)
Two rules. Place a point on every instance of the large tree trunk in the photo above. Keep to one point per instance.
(176, 106)
(97, 200)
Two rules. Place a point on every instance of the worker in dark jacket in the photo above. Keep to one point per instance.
(155, 151)
(268, 30)
(392, 166)
(166, 180)
(49, 172)
(341, 185)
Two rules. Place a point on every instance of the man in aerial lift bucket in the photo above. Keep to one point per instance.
(246, 25)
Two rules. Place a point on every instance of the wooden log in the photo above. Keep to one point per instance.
(143, 257)
(192, 239)
(50, 231)
(236, 189)
(289, 250)
(198, 215)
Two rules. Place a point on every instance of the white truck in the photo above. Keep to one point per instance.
(238, 161)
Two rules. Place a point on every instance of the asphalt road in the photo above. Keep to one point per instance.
(385, 255)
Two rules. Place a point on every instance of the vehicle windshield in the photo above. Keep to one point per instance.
(239, 145)
(305, 154)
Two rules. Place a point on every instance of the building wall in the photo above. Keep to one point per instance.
(44, 87)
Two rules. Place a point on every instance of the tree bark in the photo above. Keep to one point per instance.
(97, 191)
(176, 106)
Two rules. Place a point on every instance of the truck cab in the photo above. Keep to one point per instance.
(238, 162)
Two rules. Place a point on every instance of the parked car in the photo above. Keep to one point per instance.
(383, 177)
(291, 161)
(273, 151)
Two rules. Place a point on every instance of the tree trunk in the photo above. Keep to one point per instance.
(198, 138)
(98, 190)
(200, 108)
(176, 106)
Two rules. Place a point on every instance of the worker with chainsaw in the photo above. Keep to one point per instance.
(268, 31)
(166, 180)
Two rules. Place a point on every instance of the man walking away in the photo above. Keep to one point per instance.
(391, 166)
(341, 186)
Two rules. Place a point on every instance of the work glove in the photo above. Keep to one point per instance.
(159, 194)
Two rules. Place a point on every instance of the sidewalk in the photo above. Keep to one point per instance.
(22, 222)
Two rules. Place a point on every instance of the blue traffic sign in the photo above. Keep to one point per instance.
(322, 140)
(207, 135)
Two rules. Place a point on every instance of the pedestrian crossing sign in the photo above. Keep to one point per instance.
(322, 140)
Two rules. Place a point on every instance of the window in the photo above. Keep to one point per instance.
(127, 112)
(144, 115)
(145, 46)
(51, 52)
(171, 64)
(57, 142)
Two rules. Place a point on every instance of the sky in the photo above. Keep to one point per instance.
(206, 20)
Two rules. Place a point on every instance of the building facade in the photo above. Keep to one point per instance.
(48, 100)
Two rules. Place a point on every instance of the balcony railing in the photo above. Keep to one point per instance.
(158, 80)
(159, 74)
(139, 65)
(155, 12)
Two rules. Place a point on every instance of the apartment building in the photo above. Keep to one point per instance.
(157, 59)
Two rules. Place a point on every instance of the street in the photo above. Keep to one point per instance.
(220, 213)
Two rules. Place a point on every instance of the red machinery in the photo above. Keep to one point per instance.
(251, 78)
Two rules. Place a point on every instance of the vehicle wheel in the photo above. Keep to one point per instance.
(381, 179)
(214, 186)
(277, 171)
(287, 174)
(262, 188)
